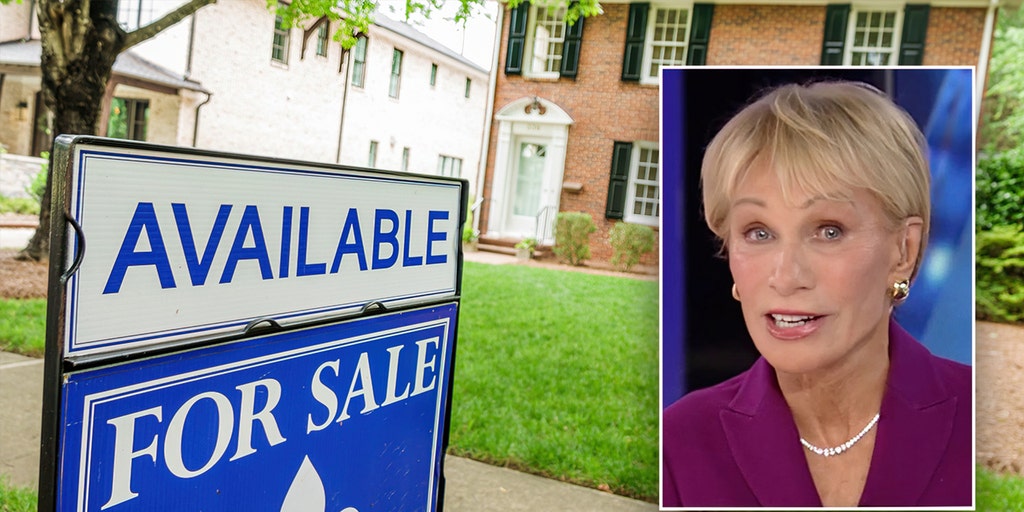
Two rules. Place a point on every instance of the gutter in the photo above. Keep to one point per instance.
(984, 55)
(485, 142)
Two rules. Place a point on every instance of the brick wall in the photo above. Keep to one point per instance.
(605, 109)
(784, 35)
(954, 36)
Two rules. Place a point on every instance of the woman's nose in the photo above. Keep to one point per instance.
(791, 272)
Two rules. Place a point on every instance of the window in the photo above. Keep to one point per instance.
(469, 86)
(449, 166)
(633, 193)
(875, 35)
(128, 119)
(405, 159)
(541, 41)
(658, 36)
(668, 35)
(359, 61)
(872, 38)
(396, 73)
(132, 14)
(433, 75)
(321, 39)
(279, 51)
(548, 36)
(642, 204)
(371, 160)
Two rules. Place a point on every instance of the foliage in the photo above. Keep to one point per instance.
(1000, 189)
(16, 499)
(468, 233)
(999, 492)
(21, 205)
(630, 242)
(575, 10)
(572, 236)
(1002, 126)
(999, 273)
(38, 186)
(530, 244)
(540, 379)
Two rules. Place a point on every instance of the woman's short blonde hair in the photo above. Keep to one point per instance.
(824, 139)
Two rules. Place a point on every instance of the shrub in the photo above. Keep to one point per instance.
(1000, 189)
(1000, 274)
(38, 185)
(22, 205)
(630, 242)
(572, 236)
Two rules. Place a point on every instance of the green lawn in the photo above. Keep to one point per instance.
(557, 373)
(23, 326)
(16, 499)
(999, 492)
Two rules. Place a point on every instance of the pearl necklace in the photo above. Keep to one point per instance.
(828, 452)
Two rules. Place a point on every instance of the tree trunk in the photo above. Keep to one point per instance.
(80, 42)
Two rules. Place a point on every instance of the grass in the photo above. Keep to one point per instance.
(16, 499)
(557, 373)
(999, 492)
(23, 326)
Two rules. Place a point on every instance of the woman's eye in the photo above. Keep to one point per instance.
(830, 232)
(758, 234)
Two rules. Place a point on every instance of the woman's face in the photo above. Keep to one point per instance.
(814, 274)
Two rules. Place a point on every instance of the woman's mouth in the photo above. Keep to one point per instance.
(791, 326)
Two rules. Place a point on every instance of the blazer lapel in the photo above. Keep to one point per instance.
(765, 444)
(917, 411)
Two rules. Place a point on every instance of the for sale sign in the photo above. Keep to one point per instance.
(348, 416)
(160, 394)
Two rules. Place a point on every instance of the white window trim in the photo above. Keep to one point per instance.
(531, 34)
(634, 164)
(649, 39)
(283, 62)
(851, 27)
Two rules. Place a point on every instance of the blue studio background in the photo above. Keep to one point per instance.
(704, 339)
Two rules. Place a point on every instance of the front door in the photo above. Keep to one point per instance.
(527, 187)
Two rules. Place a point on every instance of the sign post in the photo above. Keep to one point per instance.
(229, 332)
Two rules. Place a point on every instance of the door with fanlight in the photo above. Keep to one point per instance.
(527, 186)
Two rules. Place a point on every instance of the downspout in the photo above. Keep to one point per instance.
(195, 125)
(983, 57)
(191, 46)
(28, 29)
(344, 101)
(485, 143)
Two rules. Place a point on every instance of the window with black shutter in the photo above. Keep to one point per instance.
(619, 180)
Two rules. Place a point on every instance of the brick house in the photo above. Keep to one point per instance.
(231, 78)
(576, 124)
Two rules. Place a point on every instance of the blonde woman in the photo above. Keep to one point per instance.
(820, 197)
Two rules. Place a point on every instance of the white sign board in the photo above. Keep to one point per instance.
(182, 246)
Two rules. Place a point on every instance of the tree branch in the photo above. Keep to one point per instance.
(143, 33)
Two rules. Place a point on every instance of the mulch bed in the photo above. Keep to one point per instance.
(21, 279)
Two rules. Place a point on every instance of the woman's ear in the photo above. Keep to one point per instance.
(909, 240)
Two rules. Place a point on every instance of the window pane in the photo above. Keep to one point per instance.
(548, 37)
(873, 42)
(669, 39)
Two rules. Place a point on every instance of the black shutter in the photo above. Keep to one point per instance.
(636, 32)
(621, 156)
(516, 39)
(834, 42)
(700, 34)
(915, 28)
(571, 49)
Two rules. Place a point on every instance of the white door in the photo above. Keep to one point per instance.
(529, 163)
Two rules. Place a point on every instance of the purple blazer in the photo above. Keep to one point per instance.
(736, 445)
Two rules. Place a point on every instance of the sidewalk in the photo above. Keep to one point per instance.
(471, 486)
